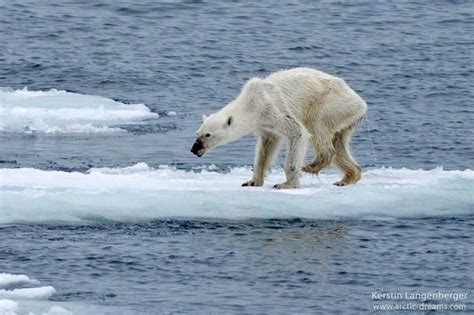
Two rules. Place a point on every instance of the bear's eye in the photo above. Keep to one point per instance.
(208, 135)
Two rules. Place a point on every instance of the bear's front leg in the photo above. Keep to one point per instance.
(294, 159)
(266, 149)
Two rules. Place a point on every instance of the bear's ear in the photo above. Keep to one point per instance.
(229, 121)
(204, 117)
(252, 85)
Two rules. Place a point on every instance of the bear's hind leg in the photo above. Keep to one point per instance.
(267, 147)
(324, 151)
(343, 159)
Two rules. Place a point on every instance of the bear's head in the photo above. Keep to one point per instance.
(232, 122)
(216, 129)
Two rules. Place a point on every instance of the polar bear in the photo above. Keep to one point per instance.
(298, 104)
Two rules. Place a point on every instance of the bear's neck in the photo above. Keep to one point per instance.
(244, 120)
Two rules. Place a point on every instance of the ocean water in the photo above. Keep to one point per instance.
(104, 209)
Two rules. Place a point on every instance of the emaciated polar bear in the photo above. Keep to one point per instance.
(297, 104)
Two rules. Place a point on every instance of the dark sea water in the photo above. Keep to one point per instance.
(411, 61)
(256, 266)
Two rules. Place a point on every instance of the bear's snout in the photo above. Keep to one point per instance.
(197, 147)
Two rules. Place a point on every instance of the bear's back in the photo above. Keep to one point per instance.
(299, 74)
(301, 86)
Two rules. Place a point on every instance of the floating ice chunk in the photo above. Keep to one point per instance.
(40, 293)
(11, 281)
(57, 310)
(8, 307)
(56, 111)
(171, 113)
(29, 300)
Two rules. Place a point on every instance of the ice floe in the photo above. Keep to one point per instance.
(140, 192)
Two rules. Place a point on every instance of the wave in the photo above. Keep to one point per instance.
(55, 111)
(140, 192)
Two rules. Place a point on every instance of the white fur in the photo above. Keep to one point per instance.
(296, 104)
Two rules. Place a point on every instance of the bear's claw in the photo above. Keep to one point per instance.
(252, 183)
(309, 169)
(286, 185)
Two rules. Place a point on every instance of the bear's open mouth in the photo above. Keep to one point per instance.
(199, 153)
(198, 149)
